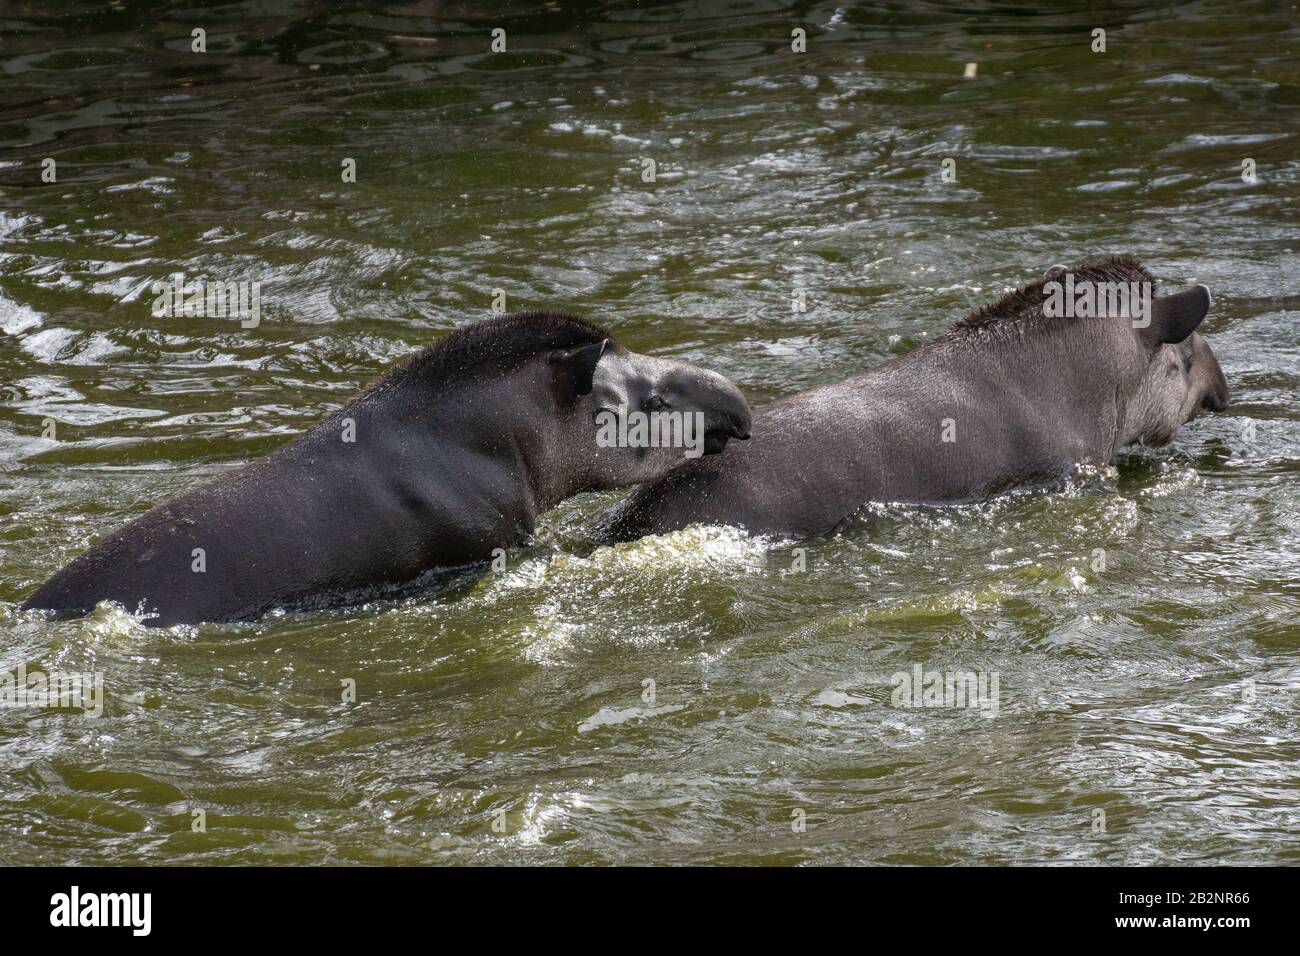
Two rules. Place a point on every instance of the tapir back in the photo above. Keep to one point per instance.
(964, 417)
(1008, 396)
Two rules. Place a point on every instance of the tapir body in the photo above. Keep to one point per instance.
(1007, 397)
(450, 456)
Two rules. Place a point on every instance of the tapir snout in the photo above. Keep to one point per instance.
(1217, 400)
(1214, 397)
(726, 413)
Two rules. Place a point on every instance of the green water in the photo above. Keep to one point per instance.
(1161, 690)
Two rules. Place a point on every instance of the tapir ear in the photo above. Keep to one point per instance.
(574, 369)
(1176, 316)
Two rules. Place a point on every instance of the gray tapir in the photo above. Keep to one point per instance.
(1008, 396)
(454, 453)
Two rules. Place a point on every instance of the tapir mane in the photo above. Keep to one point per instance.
(1026, 303)
(495, 345)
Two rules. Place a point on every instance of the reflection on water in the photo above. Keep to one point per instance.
(675, 699)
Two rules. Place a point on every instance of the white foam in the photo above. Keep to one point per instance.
(608, 716)
(16, 318)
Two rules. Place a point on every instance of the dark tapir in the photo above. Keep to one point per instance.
(1008, 396)
(451, 455)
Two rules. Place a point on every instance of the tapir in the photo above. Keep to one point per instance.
(1015, 394)
(451, 455)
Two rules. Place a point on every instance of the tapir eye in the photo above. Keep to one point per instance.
(655, 404)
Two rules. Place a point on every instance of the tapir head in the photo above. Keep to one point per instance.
(639, 416)
(1181, 377)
